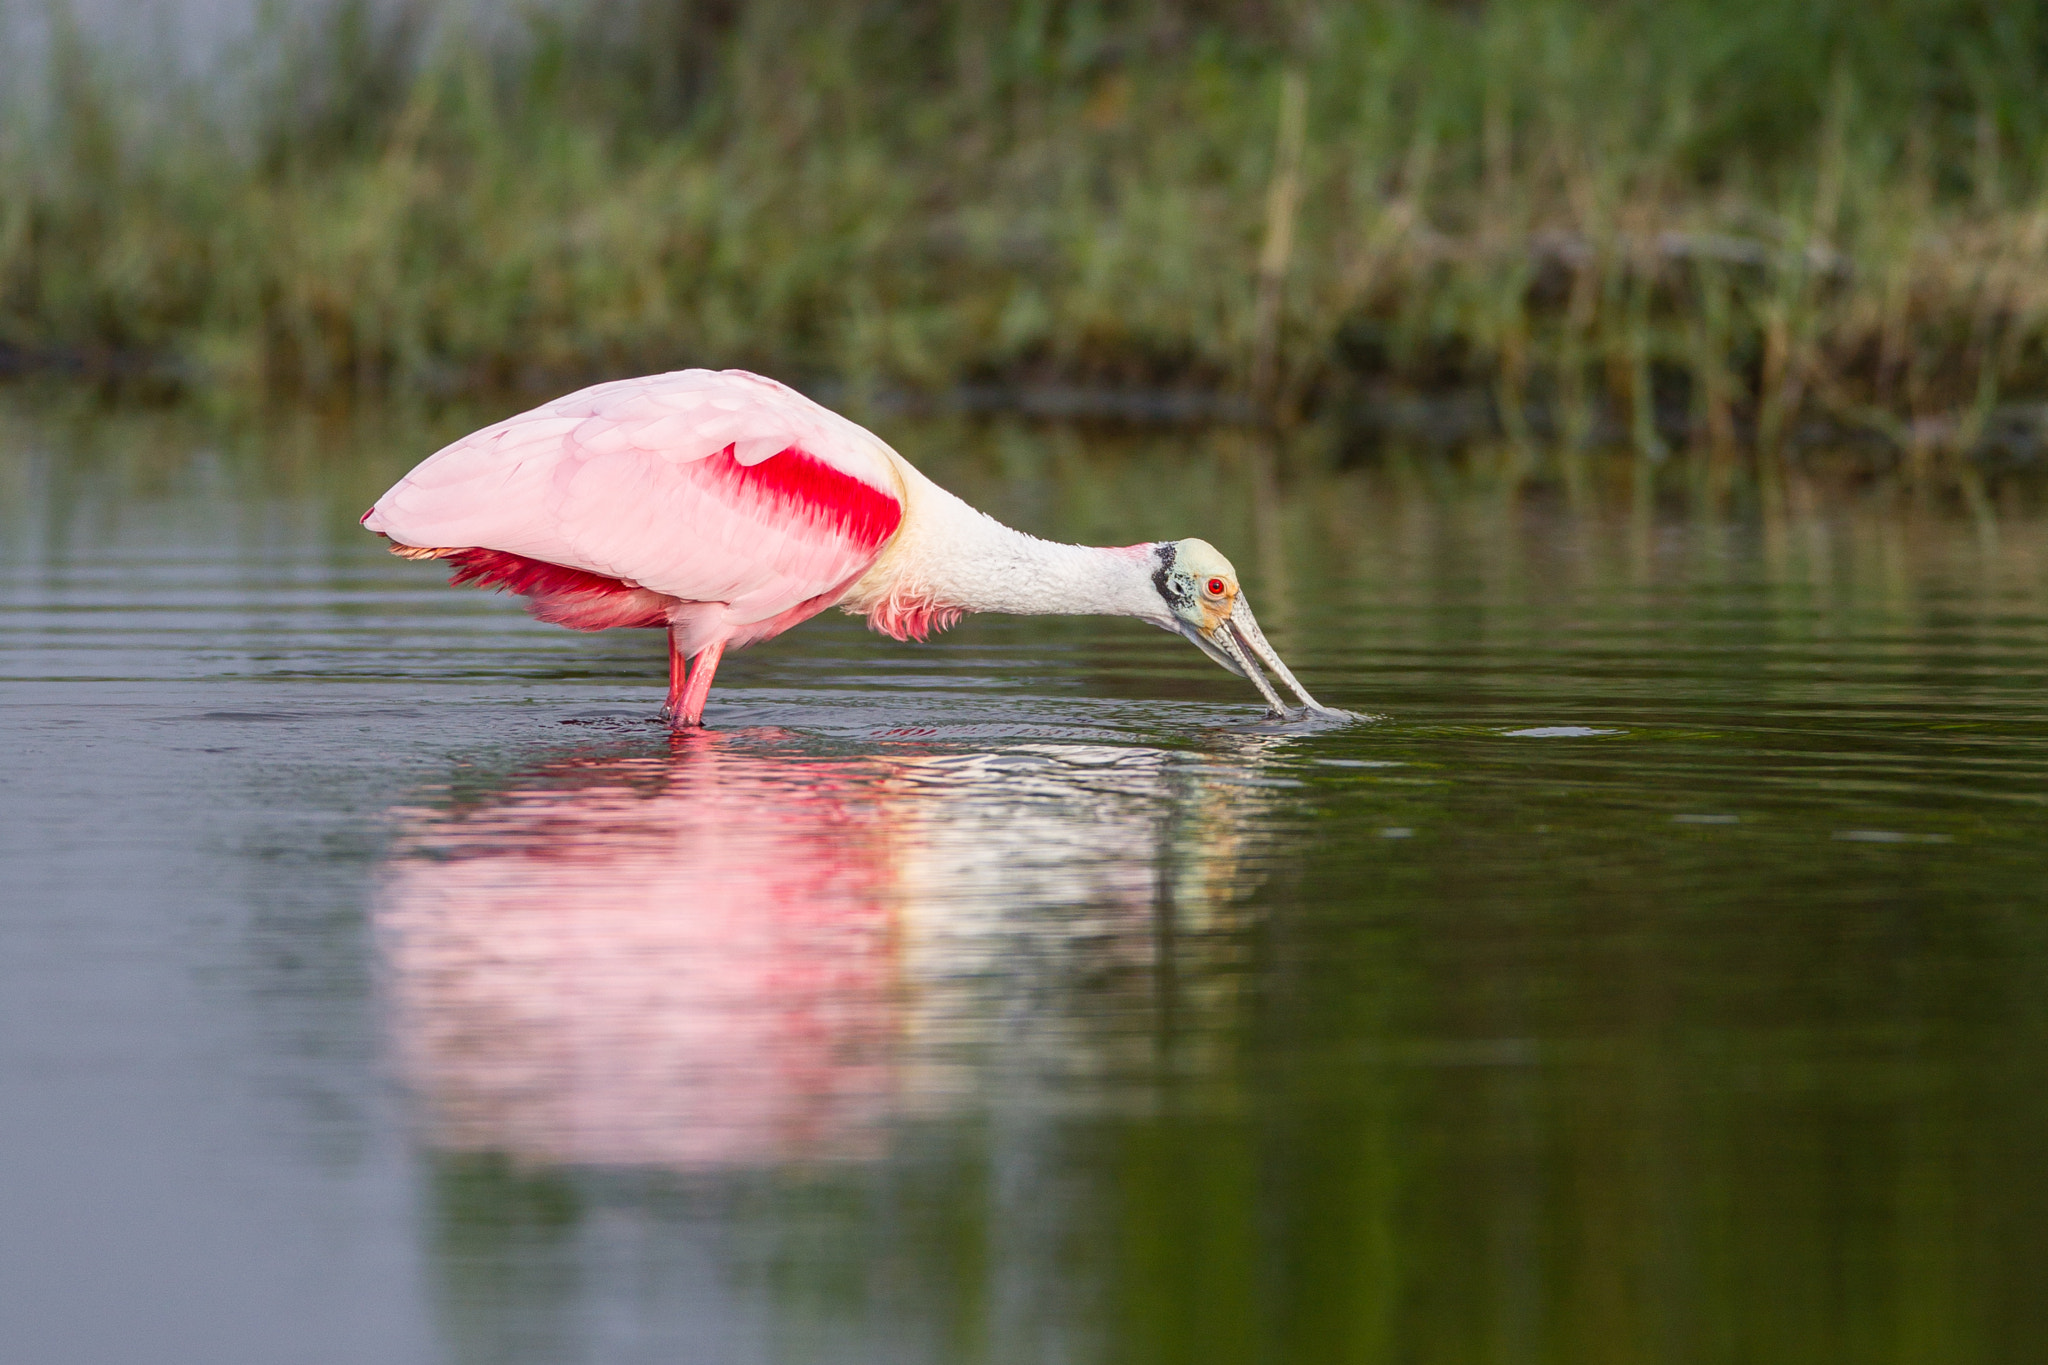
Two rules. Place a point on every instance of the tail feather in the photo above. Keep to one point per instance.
(555, 593)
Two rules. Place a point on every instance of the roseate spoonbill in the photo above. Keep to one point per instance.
(727, 508)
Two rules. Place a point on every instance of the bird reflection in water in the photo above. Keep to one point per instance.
(739, 954)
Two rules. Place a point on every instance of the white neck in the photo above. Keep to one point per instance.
(948, 555)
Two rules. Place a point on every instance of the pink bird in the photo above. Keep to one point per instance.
(727, 508)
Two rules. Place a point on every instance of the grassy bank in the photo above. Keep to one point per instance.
(1720, 220)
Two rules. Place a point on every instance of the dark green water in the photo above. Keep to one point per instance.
(1662, 979)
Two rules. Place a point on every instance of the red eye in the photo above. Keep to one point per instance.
(1215, 587)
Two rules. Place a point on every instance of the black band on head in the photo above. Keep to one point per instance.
(1176, 594)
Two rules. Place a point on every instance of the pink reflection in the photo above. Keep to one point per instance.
(675, 963)
(729, 956)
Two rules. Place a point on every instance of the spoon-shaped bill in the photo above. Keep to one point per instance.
(1223, 647)
(1245, 627)
(1240, 646)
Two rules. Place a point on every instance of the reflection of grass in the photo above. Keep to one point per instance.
(1735, 215)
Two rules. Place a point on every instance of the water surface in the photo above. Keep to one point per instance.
(1660, 979)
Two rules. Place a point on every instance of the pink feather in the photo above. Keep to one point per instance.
(640, 502)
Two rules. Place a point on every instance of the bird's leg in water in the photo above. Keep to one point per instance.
(687, 708)
(678, 672)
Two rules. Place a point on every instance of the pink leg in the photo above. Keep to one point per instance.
(678, 669)
(688, 709)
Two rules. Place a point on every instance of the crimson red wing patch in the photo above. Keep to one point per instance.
(565, 597)
(807, 485)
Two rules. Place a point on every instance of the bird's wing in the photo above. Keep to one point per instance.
(709, 486)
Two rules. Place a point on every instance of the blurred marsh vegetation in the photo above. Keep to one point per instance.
(1724, 224)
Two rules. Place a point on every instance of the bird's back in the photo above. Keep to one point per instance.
(698, 486)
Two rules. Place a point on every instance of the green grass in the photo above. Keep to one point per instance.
(1726, 219)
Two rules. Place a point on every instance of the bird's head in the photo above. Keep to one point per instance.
(1207, 605)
